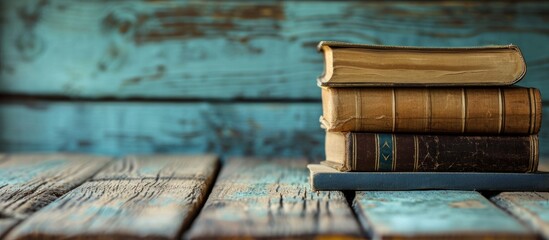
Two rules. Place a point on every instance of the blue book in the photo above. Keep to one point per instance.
(326, 178)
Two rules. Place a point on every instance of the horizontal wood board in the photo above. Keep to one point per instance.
(228, 50)
(29, 182)
(435, 215)
(254, 198)
(119, 128)
(140, 127)
(532, 208)
(140, 202)
(196, 167)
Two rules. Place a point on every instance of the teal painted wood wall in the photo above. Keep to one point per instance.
(235, 78)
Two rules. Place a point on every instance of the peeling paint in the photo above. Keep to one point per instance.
(29, 44)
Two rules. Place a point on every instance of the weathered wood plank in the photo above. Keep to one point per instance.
(245, 49)
(160, 166)
(531, 208)
(29, 182)
(435, 215)
(261, 199)
(128, 205)
(262, 129)
(117, 209)
(6, 224)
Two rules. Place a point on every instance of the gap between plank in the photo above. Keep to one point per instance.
(21, 218)
(182, 231)
(350, 197)
(8, 230)
(17, 98)
(489, 194)
(509, 213)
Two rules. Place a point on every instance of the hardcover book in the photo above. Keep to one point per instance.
(371, 152)
(506, 110)
(348, 64)
(324, 178)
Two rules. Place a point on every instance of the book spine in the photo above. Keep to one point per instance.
(512, 110)
(441, 153)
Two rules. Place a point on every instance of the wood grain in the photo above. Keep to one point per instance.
(6, 224)
(244, 49)
(531, 208)
(435, 215)
(263, 129)
(271, 199)
(29, 182)
(160, 167)
(130, 205)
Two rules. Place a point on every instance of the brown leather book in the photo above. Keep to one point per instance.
(507, 110)
(371, 152)
(348, 64)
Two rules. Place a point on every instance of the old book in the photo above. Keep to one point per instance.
(325, 178)
(348, 64)
(507, 110)
(369, 152)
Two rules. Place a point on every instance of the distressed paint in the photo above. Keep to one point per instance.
(127, 204)
(20, 173)
(29, 182)
(115, 209)
(271, 199)
(169, 49)
(435, 214)
(265, 129)
(531, 208)
(118, 128)
(160, 167)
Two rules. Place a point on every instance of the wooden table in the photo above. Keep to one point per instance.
(46, 196)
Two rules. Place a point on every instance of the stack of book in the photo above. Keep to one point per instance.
(402, 118)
